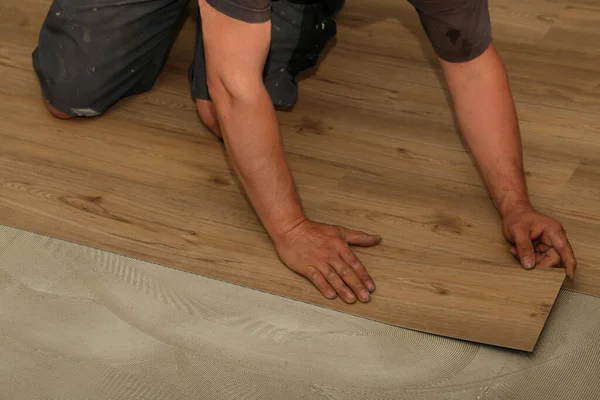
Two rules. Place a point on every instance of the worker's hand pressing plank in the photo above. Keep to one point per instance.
(538, 240)
(236, 51)
(322, 254)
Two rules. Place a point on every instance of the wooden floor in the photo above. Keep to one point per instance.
(372, 145)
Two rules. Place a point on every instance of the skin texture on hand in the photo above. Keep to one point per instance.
(322, 254)
(538, 240)
(244, 117)
(486, 114)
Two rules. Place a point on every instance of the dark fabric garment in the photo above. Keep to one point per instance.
(245, 10)
(459, 30)
(299, 32)
(92, 53)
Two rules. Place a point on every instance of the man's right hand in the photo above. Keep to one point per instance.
(322, 254)
(235, 57)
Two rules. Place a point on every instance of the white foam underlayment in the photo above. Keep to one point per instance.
(81, 323)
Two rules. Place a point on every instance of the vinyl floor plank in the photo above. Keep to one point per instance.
(372, 145)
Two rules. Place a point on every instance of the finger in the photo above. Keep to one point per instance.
(350, 258)
(542, 247)
(539, 248)
(524, 248)
(538, 256)
(337, 283)
(563, 247)
(351, 279)
(359, 238)
(550, 259)
(317, 278)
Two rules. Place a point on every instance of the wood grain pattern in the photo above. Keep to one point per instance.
(372, 144)
(71, 314)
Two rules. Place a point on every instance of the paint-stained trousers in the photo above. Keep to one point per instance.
(92, 53)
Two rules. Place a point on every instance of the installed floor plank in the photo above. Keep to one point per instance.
(372, 145)
(210, 230)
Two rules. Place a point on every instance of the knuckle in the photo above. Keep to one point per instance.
(557, 226)
(346, 271)
(351, 257)
(523, 248)
(313, 274)
(515, 228)
(560, 244)
(356, 264)
(518, 235)
(336, 231)
(340, 245)
(331, 274)
(522, 232)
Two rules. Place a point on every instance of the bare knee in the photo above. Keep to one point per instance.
(57, 113)
(208, 116)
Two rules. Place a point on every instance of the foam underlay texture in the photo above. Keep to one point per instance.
(81, 323)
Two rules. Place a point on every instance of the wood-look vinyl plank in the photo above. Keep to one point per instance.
(372, 145)
(143, 194)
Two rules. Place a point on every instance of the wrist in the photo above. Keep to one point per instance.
(279, 232)
(511, 205)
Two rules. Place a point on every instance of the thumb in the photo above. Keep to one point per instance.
(359, 238)
(524, 247)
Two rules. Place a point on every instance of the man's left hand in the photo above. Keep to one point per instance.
(538, 240)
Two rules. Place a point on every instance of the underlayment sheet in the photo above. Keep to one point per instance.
(81, 323)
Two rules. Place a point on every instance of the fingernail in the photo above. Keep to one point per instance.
(570, 275)
(331, 295)
(351, 298)
(528, 263)
(370, 286)
(365, 296)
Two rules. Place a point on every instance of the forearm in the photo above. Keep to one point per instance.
(235, 57)
(487, 118)
(255, 149)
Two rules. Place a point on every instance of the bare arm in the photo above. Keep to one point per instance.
(487, 118)
(235, 55)
(486, 114)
